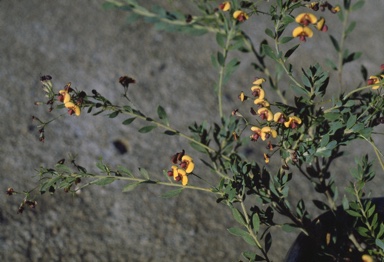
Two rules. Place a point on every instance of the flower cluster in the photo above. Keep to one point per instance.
(322, 6)
(183, 166)
(65, 97)
(239, 15)
(303, 30)
(265, 113)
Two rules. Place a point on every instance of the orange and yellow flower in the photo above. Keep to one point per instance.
(302, 32)
(366, 258)
(266, 132)
(266, 158)
(293, 122)
(375, 80)
(242, 97)
(225, 6)
(279, 118)
(64, 96)
(256, 133)
(180, 174)
(187, 164)
(321, 26)
(240, 16)
(258, 92)
(306, 19)
(259, 81)
(261, 102)
(72, 108)
(265, 114)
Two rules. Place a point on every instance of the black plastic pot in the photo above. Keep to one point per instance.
(327, 226)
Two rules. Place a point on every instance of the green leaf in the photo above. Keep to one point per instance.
(351, 57)
(146, 129)
(331, 64)
(350, 28)
(286, 39)
(124, 171)
(321, 205)
(379, 243)
(198, 147)
(357, 5)
(291, 50)
(214, 61)
(351, 121)
(335, 43)
(132, 18)
(288, 228)
(332, 116)
(130, 187)
(241, 233)
(162, 115)
(172, 193)
(221, 40)
(256, 222)
(220, 59)
(109, 5)
(144, 173)
(249, 239)
(230, 68)
(100, 165)
(238, 216)
(114, 114)
(128, 121)
(353, 213)
(104, 181)
(270, 33)
(299, 90)
(267, 50)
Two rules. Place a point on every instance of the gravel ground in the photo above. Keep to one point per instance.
(79, 42)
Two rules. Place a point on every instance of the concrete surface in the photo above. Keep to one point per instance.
(79, 42)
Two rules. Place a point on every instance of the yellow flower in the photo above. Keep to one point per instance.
(259, 81)
(374, 80)
(366, 258)
(302, 32)
(187, 164)
(242, 97)
(265, 114)
(266, 132)
(266, 158)
(258, 92)
(293, 122)
(306, 19)
(225, 6)
(261, 102)
(64, 96)
(321, 26)
(279, 118)
(240, 16)
(179, 174)
(72, 108)
(256, 133)
(335, 9)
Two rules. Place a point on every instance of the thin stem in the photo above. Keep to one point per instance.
(378, 153)
(168, 128)
(230, 35)
(145, 13)
(250, 231)
(341, 48)
(140, 180)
